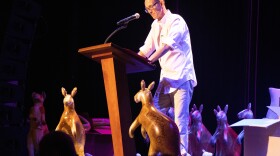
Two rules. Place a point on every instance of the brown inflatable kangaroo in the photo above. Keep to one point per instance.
(38, 127)
(161, 130)
(70, 122)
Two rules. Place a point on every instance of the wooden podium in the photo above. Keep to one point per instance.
(116, 62)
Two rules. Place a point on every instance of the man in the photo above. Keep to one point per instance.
(169, 42)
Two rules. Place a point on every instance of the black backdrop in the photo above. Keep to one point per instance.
(235, 48)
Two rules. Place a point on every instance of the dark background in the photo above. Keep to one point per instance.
(234, 42)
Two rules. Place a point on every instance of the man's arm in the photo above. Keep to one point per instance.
(160, 52)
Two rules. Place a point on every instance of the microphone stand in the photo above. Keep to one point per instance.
(119, 28)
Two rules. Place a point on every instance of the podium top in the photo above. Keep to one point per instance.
(264, 123)
(134, 62)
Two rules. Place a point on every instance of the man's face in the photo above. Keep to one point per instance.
(154, 8)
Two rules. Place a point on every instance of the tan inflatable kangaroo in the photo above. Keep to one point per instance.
(161, 130)
(70, 122)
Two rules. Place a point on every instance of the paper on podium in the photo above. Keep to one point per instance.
(256, 122)
(275, 109)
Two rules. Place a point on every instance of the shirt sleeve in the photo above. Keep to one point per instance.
(148, 48)
(177, 28)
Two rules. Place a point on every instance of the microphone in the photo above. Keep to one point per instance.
(128, 19)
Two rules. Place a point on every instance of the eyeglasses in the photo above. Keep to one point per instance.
(151, 7)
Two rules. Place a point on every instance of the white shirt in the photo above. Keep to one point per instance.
(177, 64)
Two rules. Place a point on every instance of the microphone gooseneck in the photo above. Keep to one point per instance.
(119, 28)
(123, 24)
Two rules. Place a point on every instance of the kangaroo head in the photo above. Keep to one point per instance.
(196, 114)
(246, 113)
(144, 94)
(38, 98)
(221, 115)
(68, 100)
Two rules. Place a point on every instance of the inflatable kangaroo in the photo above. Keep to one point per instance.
(38, 127)
(70, 122)
(161, 130)
(225, 138)
(199, 136)
(244, 114)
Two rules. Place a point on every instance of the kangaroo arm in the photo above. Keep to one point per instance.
(143, 132)
(240, 137)
(226, 135)
(198, 135)
(133, 127)
(214, 138)
(73, 128)
(58, 127)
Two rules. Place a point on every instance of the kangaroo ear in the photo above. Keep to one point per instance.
(215, 112)
(44, 95)
(218, 108)
(74, 91)
(33, 94)
(249, 106)
(226, 109)
(200, 108)
(151, 86)
(194, 107)
(143, 85)
(63, 91)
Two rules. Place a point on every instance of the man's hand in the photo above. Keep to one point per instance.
(141, 54)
